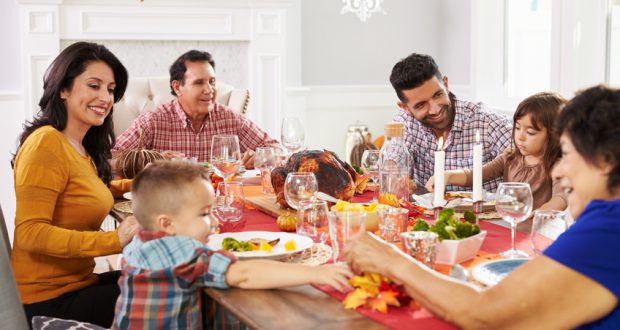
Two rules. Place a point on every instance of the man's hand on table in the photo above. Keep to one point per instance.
(127, 229)
(247, 159)
(169, 154)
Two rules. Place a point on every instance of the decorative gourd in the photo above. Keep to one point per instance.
(133, 161)
(286, 222)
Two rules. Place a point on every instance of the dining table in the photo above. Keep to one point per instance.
(313, 307)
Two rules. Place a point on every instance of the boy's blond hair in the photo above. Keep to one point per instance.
(163, 188)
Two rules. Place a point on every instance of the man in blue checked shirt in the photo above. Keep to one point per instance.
(430, 111)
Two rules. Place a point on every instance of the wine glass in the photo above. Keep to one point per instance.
(292, 134)
(313, 222)
(225, 155)
(370, 166)
(299, 186)
(265, 159)
(513, 202)
(547, 224)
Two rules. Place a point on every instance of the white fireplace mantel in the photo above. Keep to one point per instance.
(261, 23)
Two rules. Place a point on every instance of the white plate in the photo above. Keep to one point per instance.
(277, 252)
(249, 177)
(492, 272)
(127, 195)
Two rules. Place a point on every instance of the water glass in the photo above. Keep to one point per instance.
(342, 226)
(299, 186)
(370, 166)
(392, 222)
(513, 202)
(421, 245)
(265, 160)
(547, 225)
(229, 203)
(292, 134)
(312, 222)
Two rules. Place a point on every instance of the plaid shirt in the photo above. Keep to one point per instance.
(161, 281)
(495, 135)
(167, 127)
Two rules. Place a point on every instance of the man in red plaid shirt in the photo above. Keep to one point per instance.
(430, 111)
(185, 125)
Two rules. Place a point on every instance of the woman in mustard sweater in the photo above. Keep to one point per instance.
(63, 190)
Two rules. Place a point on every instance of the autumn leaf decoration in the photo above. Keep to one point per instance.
(375, 292)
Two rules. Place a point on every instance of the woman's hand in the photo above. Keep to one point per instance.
(336, 276)
(127, 230)
(368, 253)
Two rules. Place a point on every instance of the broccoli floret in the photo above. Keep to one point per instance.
(421, 225)
(464, 229)
(230, 244)
(451, 230)
(444, 230)
(475, 230)
(470, 216)
(446, 214)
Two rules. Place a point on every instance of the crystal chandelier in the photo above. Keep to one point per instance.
(362, 8)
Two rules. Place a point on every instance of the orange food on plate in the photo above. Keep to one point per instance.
(265, 246)
(290, 245)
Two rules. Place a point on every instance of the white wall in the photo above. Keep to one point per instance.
(11, 105)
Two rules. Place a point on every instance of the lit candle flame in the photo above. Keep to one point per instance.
(477, 136)
(440, 143)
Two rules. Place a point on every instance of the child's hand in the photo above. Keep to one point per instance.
(336, 276)
(430, 184)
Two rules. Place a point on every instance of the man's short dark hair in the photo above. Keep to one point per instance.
(412, 72)
(178, 68)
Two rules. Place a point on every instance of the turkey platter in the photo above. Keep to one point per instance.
(334, 177)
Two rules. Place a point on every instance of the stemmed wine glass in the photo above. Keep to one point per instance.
(265, 160)
(547, 224)
(513, 201)
(299, 186)
(292, 134)
(225, 155)
(313, 222)
(370, 166)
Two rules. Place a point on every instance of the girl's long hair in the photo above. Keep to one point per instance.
(543, 109)
(60, 75)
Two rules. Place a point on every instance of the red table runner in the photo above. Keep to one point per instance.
(496, 241)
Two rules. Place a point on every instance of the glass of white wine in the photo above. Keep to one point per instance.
(225, 155)
(513, 202)
(292, 135)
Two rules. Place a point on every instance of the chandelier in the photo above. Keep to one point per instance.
(362, 8)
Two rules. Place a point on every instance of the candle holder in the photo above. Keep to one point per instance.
(436, 211)
(477, 206)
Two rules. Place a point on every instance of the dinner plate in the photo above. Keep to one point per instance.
(492, 272)
(460, 200)
(249, 178)
(127, 195)
(277, 252)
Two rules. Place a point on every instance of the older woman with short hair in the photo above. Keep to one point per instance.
(576, 283)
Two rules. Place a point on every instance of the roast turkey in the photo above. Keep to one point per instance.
(334, 177)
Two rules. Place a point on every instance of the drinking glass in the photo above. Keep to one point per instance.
(312, 222)
(546, 225)
(229, 205)
(370, 166)
(299, 186)
(392, 222)
(292, 134)
(342, 226)
(225, 155)
(513, 202)
(265, 160)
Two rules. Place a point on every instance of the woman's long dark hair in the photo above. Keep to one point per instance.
(543, 108)
(60, 75)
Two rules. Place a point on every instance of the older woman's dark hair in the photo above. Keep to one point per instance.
(60, 75)
(592, 121)
(178, 68)
(412, 72)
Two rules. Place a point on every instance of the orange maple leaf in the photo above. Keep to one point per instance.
(355, 299)
(377, 304)
(390, 298)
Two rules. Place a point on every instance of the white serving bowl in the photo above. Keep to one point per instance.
(452, 252)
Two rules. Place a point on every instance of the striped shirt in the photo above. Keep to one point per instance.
(161, 281)
(167, 127)
(495, 134)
